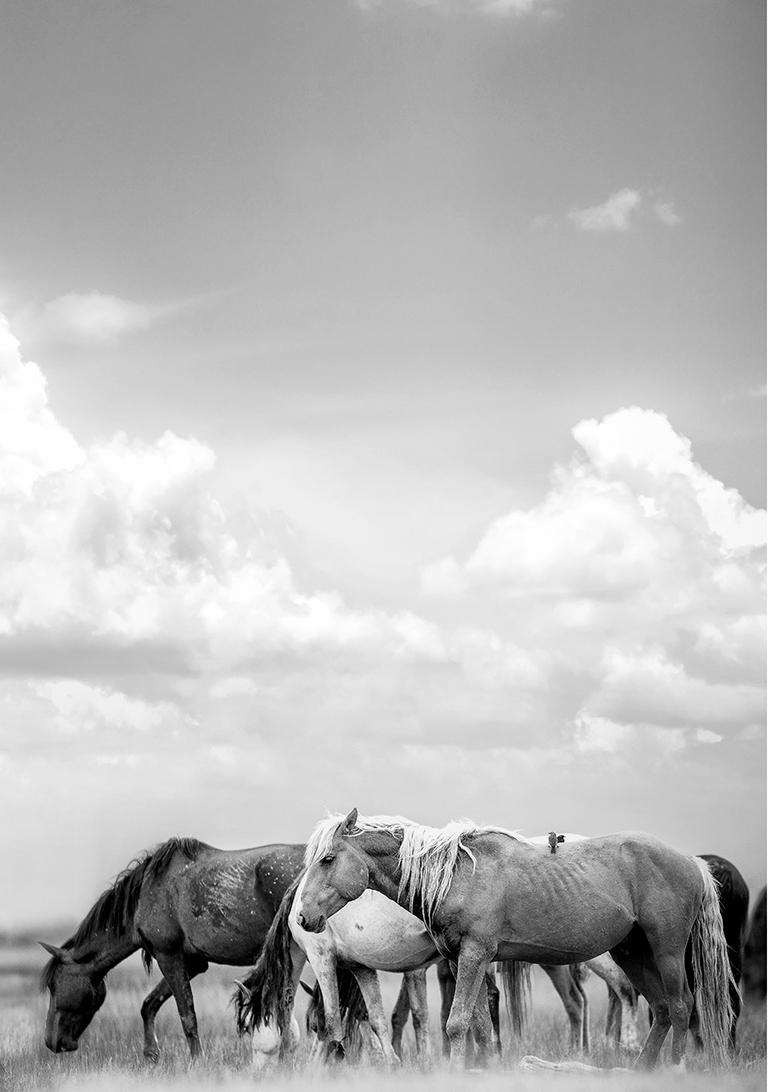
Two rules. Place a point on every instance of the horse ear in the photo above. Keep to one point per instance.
(57, 953)
(306, 988)
(349, 822)
(245, 993)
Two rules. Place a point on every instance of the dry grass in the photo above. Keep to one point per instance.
(110, 1053)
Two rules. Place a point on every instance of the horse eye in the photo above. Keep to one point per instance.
(328, 858)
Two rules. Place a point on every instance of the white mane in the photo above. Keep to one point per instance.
(427, 855)
(321, 838)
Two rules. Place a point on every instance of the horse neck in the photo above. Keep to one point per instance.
(105, 950)
(384, 867)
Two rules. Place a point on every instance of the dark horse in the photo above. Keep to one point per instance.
(754, 953)
(185, 904)
(485, 894)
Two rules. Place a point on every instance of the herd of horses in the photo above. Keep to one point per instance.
(383, 893)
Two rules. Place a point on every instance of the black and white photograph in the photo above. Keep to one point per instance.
(383, 545)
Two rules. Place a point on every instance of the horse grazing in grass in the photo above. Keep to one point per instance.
(485, 894)
(185, 904)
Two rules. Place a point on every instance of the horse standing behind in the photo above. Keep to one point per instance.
(754, 953)
(486, 894)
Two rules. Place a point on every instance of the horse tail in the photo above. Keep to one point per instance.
(352, 1009)
(268, 994)
(516, 983)
(713, 980)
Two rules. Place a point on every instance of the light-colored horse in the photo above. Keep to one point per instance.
(623, 1012)
(485, 894)
(370, 934)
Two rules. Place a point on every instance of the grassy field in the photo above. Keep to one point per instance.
(110, 1053)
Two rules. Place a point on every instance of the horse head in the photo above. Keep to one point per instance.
(314, 1019)
(77, 993)
(340, 875)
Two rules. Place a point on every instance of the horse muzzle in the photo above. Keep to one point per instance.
(311, 924)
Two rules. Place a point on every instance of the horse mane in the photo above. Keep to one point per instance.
(321, 838)
(427, 855)
(114, 909)
(267, 984)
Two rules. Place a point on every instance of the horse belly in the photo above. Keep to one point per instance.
(377, 933)
(571, 933)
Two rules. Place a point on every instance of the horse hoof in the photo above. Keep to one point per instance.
(152, 1056)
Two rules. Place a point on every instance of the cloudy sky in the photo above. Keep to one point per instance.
(382, 423)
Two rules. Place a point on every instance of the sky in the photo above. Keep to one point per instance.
(382, 424)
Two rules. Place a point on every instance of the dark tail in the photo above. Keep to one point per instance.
(516, 982)
(268, 993)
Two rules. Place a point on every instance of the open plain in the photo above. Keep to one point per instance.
(110, 1056)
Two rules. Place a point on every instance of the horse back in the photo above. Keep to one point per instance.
(573, 904)
(218, 905)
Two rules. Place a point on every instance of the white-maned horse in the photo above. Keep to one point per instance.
(370, 934)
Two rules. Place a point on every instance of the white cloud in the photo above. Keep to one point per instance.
(638, 582)
(82, 708)
(615, 214)
(157, 646)
(623, 210)
(122, 545)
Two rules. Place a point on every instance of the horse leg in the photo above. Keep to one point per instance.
(368, 981)
(481, 1024)
(178, 974)
(493, 1008)
(562, 980)
(324, 966)
(416, 985)
(578, 974)
(657, 971)
(153, 1002)
(613, 1023)
(474, 957)
(447, 982)
(400, 1017)
(622, 1002)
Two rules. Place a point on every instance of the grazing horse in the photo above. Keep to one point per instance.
(754, 953)
(369, 935)
(486, 894)
(185, 904)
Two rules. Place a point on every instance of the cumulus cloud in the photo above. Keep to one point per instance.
(642, 575)
(118, 558)
(623, 210)
(615, 214)
(157, 646)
